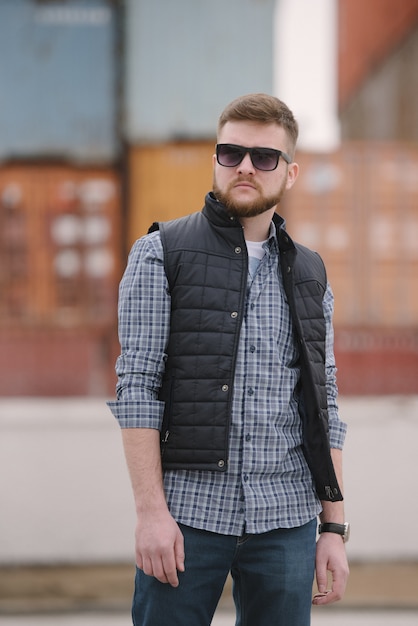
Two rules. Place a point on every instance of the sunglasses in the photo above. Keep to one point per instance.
(265, 159)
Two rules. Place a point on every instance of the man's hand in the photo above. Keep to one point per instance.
(159, 541)
(160, 547)
(330, 557)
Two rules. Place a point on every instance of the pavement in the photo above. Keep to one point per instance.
(320, 617)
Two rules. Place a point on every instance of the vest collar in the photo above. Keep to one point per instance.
(216, 213)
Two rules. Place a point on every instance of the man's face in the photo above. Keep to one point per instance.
(243, 189)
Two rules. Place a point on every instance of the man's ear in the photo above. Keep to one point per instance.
(292, 174)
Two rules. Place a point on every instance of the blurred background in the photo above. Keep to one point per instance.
(108, 113)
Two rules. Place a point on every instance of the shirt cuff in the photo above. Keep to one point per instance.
(337, 433)
(131, 414)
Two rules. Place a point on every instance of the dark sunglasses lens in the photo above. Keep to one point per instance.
(229, 156)
(265, 159)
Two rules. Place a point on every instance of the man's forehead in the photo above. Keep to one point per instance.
(250, 134)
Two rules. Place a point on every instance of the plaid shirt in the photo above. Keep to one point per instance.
(268, 484)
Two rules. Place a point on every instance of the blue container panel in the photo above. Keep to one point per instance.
(188, 58)
(57, 78)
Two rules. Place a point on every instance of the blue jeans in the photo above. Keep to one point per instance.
(272, 577)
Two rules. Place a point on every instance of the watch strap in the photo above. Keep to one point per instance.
(332, 527)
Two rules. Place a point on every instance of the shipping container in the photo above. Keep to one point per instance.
(60, 250)
(59, 80)
(186, 59)
(166, 181)
(60, 242)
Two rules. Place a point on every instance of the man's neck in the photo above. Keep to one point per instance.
(257, 228)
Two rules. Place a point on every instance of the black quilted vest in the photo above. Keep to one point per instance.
(206, 264)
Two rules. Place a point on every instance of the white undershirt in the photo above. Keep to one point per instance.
(255, 249)
(255, 254)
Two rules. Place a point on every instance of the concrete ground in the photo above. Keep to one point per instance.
(331, 617)
(378, 594)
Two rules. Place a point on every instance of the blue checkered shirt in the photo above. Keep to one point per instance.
(267, 484)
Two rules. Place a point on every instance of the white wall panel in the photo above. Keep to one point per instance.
(305, 68)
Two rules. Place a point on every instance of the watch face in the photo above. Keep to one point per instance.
(346, 535)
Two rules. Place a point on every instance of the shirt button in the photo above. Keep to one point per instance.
(225, 387)
(245, 478)
(234, 314)
(252, 348)
(250, 391)
(238, 250)
(252, 305)
(248, 437)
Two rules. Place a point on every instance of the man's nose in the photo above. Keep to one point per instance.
(246, 165)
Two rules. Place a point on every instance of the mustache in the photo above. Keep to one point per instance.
(244, 179)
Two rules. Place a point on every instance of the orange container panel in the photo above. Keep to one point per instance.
(59, 245)
(167, 181)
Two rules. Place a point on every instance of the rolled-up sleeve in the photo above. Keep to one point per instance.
(144, 318)
(337, 428)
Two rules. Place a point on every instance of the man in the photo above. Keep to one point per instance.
(227, 396)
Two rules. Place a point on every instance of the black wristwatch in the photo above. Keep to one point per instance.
(339, 529)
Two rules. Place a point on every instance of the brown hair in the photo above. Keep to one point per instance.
(262, 108)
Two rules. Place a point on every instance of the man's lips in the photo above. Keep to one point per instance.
(245, 184)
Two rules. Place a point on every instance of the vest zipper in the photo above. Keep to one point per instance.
(164, 441)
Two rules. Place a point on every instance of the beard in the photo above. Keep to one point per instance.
(246, 208)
